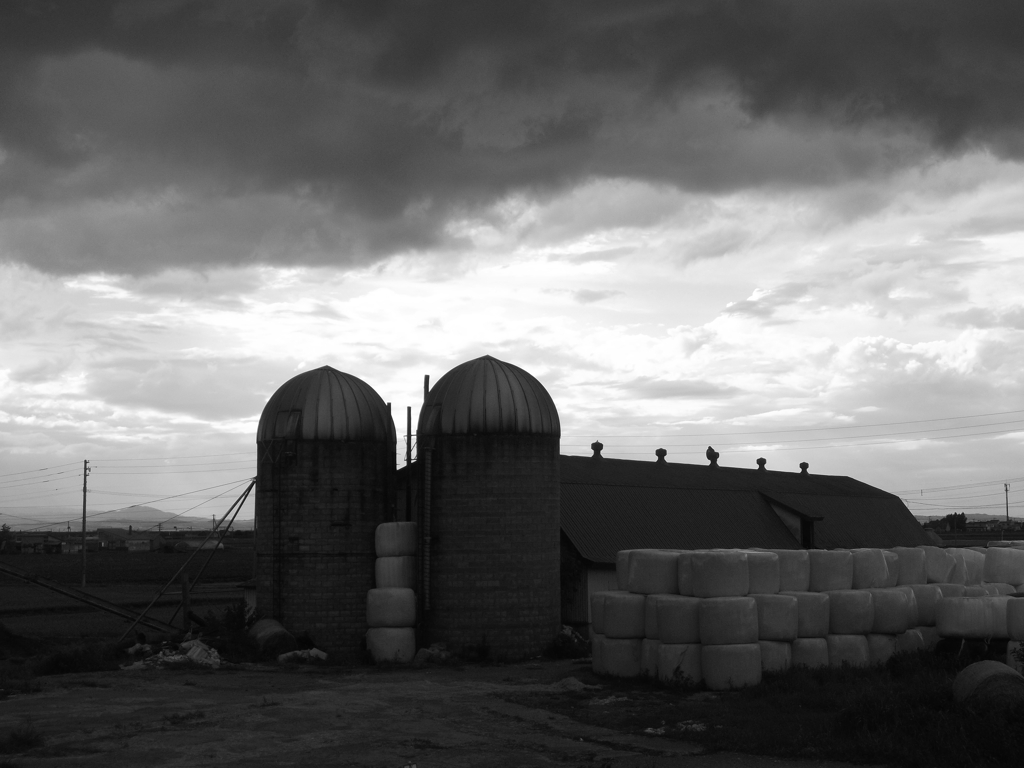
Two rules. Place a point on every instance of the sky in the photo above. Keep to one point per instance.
(789, 230)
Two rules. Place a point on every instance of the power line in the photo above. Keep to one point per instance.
(173, 458)
(41, 469)
(959, 487)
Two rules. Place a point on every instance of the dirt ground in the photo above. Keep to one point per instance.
(249, 715)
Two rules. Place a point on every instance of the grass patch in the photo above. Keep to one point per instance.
(901, 714)
(185, 717)
(21, 739)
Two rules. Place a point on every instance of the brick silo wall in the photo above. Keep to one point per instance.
(316, 513)
(495, 545)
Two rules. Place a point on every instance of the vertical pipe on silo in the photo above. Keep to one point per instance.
(426, 528)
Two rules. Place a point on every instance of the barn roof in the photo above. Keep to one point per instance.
(613, 504)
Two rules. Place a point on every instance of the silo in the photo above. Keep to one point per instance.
(325, 479)
(488, 443)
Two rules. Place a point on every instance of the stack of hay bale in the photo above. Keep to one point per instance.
(723, 617)
(391, 606)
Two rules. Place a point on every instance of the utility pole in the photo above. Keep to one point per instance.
(1006, 492)
(408, 463)
(85, 490)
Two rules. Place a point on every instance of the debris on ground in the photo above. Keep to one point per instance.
(304, 655)
(435, 654)
(570, 685)
(692, 726)
(609, 700)
(171, 654)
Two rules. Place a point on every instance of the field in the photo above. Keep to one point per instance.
(133, 567)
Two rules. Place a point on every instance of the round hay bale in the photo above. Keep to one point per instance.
(684, 573)
(778, 617)
(625, 616)
(391, 644)
(763, 571)
(880, 648)
(908, 590)
(972, 618)
(912, 566)
(869, 569)
(395, 539)
(597, 654)
(810, 652)
(812, 613)
(850, 612)
(597, 609)
(975, 591)
(1014, 649)
(927, 597)
(651, 616)
(390, 607)
(974, 563)
(1015, 618)
(620, 657)
(622, 569)
(989, 684)
(959, 573)
(892, 566)
(720, 573)
(831, 570)
(998, 588)
(653, 572)
(679, 664)
(395, 572)
(794, 570)
(728, 667)
(848, 649)
(649, 658)
(1004, 565)
(728, 621)
(679, 619)
(952, 590)
(776, 656)
(938, 564)
(929, 636)
(892, 611)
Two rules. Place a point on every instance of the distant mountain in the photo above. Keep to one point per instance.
(144, 518)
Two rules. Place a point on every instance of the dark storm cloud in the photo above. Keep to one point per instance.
(139, 136)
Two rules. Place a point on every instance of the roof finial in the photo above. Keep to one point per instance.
(803, 467)
(661, 453)
(760, 465)
(597, 446)
(712, 455)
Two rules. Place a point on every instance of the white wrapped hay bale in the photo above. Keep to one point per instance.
(848, 649)
(869, 569)
(391, 644)
(881, 648)
(728, 667)
(720, 573)
(908, 590)
(684, 573)
(597, 654)
(622, 569)
(892, 566)
(927, 597)
(794, 570)
(959, 573)
(679, 619)
(620, 657)
(1015, 618)
(625, 615)
(776, 656)
(1013, 650)
(850, 612)
(597, 609)
(653, 572)
(649, 658)
(892, 611)
(395, 539)
(1004, 565)
(651, 616)
(778, 617)
(952, 590)
(728, 621)
(831, 570)
(763, 571)
(938, 564)
(997, 588)
(912, 565)
(910, 641)
(679, 664)
(930, 637)
(391, 607)
(810, 652)
(976, 591)
(390, 572)
(812, 613)
(972, 618)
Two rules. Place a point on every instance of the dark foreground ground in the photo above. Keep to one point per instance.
(450, 716)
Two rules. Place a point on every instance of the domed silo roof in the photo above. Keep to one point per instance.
(326, 404)
(491, 397)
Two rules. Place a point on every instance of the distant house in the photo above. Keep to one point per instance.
(612, 504)
(37, 544)
(145, 542)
